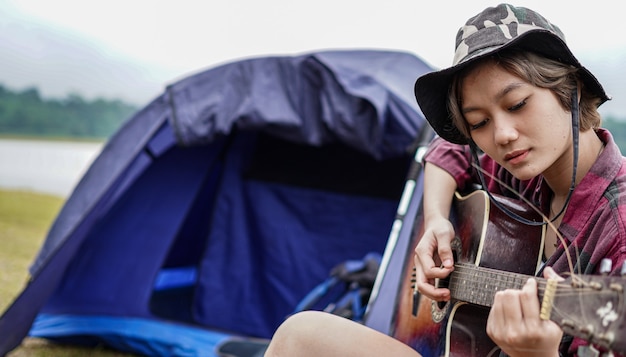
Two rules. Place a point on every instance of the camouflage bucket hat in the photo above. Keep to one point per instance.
(492, 30)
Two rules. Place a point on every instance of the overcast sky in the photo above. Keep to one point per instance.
(132, 49)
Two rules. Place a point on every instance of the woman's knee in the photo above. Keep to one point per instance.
(300, 325)
(296, 333)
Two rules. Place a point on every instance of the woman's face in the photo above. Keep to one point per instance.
(522, 127)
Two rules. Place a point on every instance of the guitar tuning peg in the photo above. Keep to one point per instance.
(606, 265)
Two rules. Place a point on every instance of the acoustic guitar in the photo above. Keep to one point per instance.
(494, 252)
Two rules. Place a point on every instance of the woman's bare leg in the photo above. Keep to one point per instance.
(315, 333)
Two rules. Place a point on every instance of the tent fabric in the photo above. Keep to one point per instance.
(132, 334)
(224, 201)
(201, 108)
(358, 98)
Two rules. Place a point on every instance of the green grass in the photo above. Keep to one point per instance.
(24, 221)
(25, 218)
(53, 138)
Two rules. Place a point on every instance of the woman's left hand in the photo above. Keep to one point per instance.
(514, 323)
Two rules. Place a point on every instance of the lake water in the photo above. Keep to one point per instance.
(52, 167)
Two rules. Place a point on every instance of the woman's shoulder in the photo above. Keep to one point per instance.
(610, 220)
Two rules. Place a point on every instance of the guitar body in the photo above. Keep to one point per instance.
(486, 238)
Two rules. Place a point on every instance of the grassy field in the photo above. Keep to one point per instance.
(24, 221)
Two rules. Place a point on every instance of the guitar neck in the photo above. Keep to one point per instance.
(478, 285)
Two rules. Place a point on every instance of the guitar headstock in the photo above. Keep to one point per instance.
(591, 307)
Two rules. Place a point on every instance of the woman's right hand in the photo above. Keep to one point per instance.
(433, 258)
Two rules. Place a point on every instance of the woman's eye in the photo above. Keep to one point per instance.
(517, 106)
(478, 125)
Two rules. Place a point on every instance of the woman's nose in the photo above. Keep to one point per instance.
(505, 131)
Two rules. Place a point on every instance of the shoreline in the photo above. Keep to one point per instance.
(45, 166)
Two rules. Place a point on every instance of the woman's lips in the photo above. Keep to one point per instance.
(515, 157)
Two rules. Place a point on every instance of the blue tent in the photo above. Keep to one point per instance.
(223, 202)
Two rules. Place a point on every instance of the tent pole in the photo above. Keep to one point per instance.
(409, 188)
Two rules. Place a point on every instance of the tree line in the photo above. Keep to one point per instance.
(26, 113)
(617, 127)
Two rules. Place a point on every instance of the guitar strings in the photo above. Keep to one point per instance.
(483, 294)
(490, 282)
(491, 278)
(501, 279)
(491, 275)
(518, 281)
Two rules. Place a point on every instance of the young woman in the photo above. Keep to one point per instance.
(518, 103)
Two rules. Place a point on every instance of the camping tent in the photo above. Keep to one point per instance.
(223, 202)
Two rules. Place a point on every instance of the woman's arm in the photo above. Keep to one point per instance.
(433, 255)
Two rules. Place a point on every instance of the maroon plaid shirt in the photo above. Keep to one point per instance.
(594, 224)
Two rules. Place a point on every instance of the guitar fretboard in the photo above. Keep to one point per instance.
(478, 285)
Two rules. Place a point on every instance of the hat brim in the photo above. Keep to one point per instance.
(431, 90)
